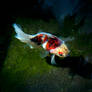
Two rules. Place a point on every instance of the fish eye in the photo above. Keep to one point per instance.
(60, 54)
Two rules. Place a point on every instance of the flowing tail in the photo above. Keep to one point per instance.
(23, 37)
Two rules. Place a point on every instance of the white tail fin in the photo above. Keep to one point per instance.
(21, 35)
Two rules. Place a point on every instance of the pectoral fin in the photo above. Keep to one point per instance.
(68, 39)
(43, 54)
(29, 46)
(53, 60)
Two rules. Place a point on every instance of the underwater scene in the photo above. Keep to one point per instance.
(47, 47)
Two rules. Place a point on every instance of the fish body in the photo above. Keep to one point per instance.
(49, 42)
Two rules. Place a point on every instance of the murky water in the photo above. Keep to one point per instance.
(24, 70)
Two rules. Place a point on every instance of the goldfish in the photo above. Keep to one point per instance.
(49, 42)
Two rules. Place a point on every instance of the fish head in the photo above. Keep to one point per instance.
(61, 51)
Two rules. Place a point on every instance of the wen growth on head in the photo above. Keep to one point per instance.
(52, 44)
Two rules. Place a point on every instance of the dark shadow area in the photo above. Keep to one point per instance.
(77, 65)
(31, 9)
(71, 23)
(5, 37)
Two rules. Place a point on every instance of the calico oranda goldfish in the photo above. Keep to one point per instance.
(47, 41)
